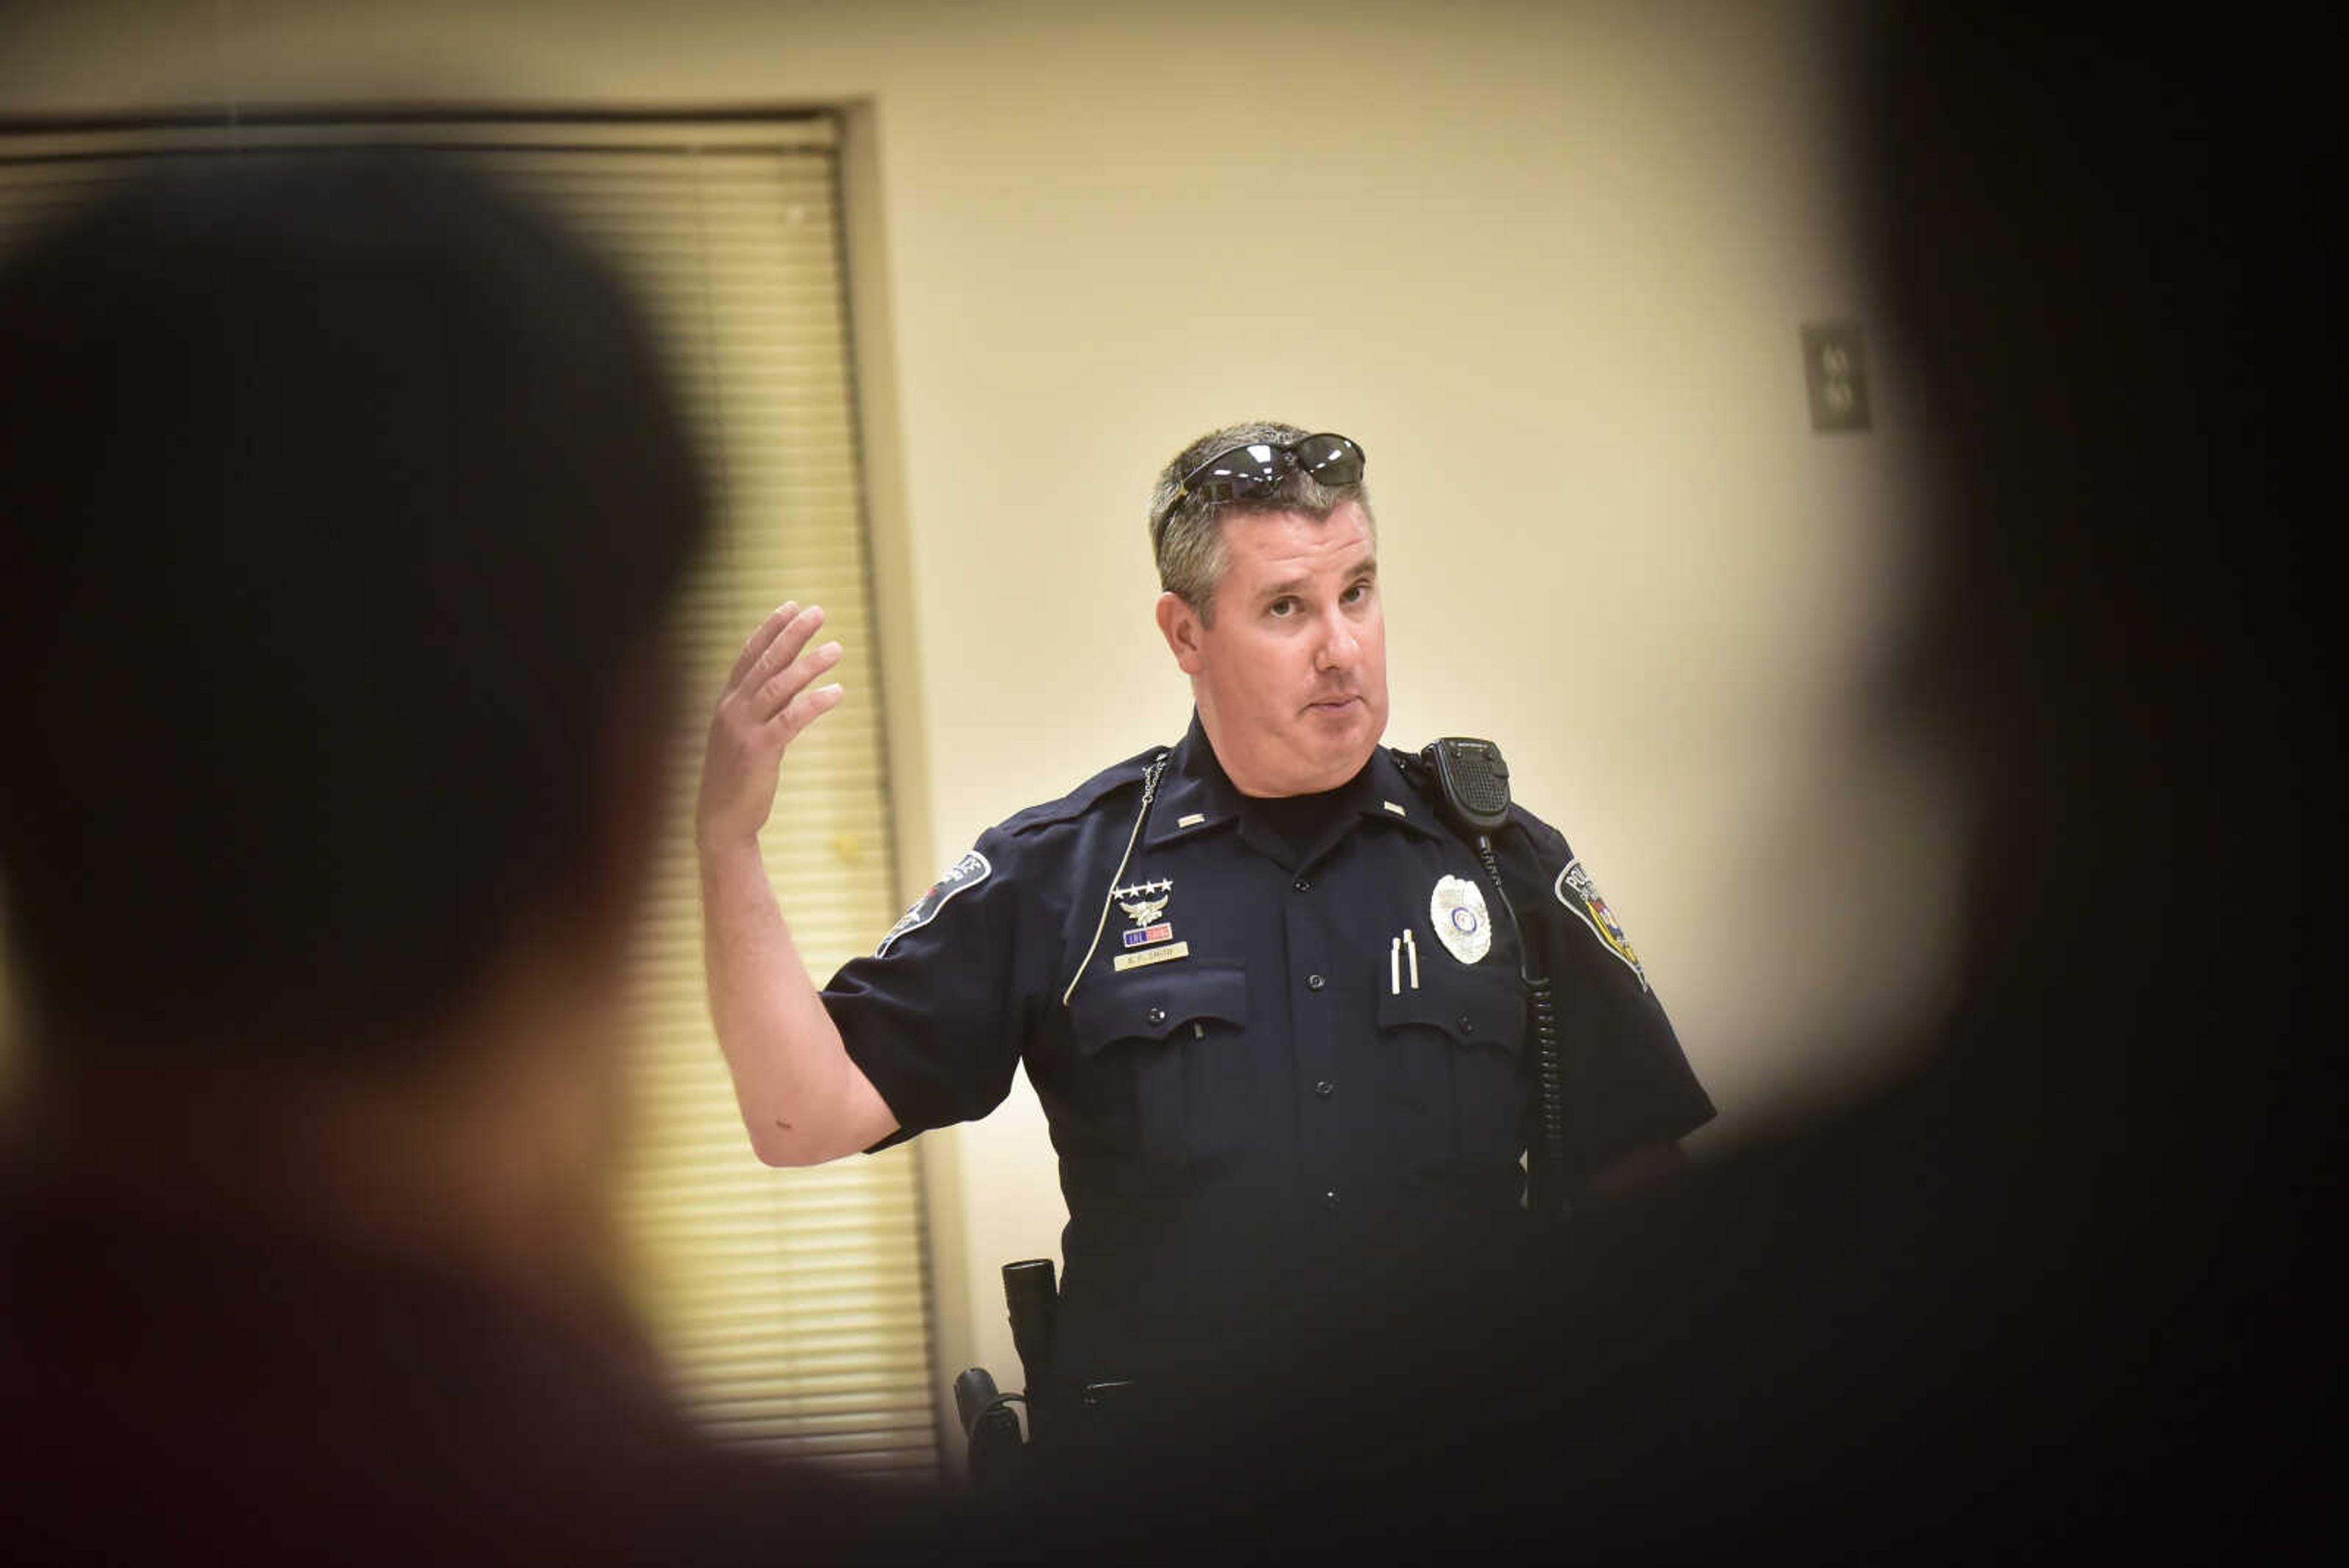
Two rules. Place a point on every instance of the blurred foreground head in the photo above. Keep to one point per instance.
(340, 501)
(2113, 255)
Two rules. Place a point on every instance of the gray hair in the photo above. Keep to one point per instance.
(1187, 536)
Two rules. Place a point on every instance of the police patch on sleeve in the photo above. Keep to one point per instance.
(1579, 894)
(967, 872)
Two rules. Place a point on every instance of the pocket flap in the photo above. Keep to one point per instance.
(1474, 1007)
(1152, 1004)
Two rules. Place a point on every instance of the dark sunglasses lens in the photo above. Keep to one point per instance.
(1244, 472)
(1331, 458)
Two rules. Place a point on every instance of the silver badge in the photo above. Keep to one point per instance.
(1456, 911)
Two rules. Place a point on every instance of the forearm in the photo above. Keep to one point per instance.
(803, 1100)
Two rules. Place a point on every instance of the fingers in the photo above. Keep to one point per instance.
(780, 689)
(768, 687)
(768, 629)
(778, 641)
(806, 709)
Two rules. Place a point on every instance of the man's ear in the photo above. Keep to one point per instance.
(1179, 624)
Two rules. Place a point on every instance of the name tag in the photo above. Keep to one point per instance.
(1153, 955)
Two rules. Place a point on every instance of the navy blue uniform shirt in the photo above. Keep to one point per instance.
(1265, 1065)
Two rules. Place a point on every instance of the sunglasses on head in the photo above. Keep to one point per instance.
(1256, 469)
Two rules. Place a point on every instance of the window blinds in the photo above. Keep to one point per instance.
(790, 1304)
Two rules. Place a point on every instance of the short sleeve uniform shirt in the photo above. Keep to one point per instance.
(1257, 1055)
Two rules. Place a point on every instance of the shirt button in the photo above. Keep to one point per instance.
(1305, 884)
(1325, 1088)
(1156, 1015)
(1330, 1198)
(1467, 1025)
(1314, 983)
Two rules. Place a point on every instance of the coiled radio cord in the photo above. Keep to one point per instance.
(1546, 1182)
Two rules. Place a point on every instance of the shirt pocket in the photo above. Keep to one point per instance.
(1454, 1050)
(1168, 1045)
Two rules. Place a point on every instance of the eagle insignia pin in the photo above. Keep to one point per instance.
(1144, 904)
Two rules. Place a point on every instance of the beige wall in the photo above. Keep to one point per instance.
(1545, 262)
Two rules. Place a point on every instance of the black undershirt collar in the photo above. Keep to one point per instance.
(1290, 828)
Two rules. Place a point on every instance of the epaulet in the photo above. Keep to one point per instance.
(1415, 773)
(1127, 775)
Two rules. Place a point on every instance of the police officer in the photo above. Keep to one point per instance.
(1271, 1002)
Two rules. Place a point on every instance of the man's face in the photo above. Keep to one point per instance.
(1292, 677)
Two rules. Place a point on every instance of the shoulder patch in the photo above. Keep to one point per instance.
(967, 872)
(1579, 894)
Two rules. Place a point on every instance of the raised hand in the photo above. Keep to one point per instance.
(764, 705)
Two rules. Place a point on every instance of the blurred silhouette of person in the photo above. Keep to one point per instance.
(2058, 1287)
(342, 501)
